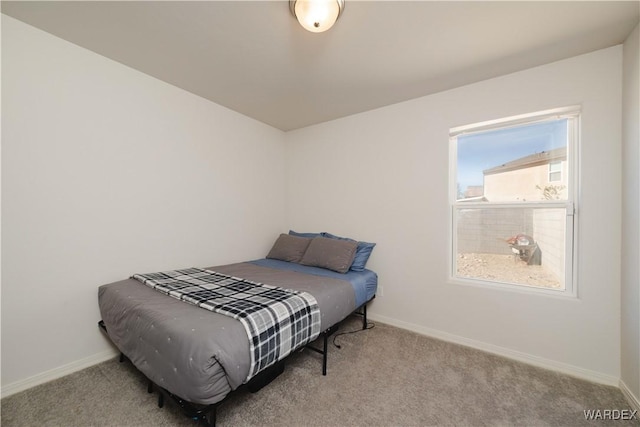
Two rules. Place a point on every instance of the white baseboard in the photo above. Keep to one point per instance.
(634, 401)
(540, 362)
(56, 373)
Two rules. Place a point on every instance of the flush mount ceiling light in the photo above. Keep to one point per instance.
(316, 15)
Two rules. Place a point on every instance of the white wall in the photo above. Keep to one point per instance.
(382, 176)
(630, 325)
(107, 172)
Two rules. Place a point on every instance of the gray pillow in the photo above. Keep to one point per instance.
(289, 248)
(332, 254)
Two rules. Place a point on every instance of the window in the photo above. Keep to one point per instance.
(555, 171)
(513, 186)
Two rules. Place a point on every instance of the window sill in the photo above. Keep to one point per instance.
(521, 289)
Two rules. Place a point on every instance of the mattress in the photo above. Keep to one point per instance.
(200, 355)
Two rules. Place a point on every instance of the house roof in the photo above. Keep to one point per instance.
(531, 160)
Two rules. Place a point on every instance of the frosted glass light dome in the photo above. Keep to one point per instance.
(316, 15)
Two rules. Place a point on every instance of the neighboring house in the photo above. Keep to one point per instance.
(473, 191)
(535, 177)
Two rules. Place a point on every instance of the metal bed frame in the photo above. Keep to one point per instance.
(206, 414)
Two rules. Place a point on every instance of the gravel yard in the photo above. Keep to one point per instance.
(505, 268)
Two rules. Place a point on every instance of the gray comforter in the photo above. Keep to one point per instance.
(194, 353)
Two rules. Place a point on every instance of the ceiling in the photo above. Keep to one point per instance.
(253, 57)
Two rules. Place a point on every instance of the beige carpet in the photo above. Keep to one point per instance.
(384, 376)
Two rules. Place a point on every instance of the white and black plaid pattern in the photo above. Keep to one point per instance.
(277, 320)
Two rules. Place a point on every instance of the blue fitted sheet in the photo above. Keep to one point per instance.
(364, 283)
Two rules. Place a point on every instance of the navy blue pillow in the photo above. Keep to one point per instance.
(363, 252)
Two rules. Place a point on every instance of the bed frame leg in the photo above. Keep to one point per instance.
(364, 317)
(121, 357)
(324, 354)
(209, 419)
(150, 387)
(325, 347)
(160, 399)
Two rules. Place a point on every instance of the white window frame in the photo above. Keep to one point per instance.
(571, 226)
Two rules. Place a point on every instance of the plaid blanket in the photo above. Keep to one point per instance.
(277, 320)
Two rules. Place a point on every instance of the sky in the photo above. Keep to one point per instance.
(484, 150)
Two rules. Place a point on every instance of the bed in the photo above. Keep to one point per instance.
(199, 356)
